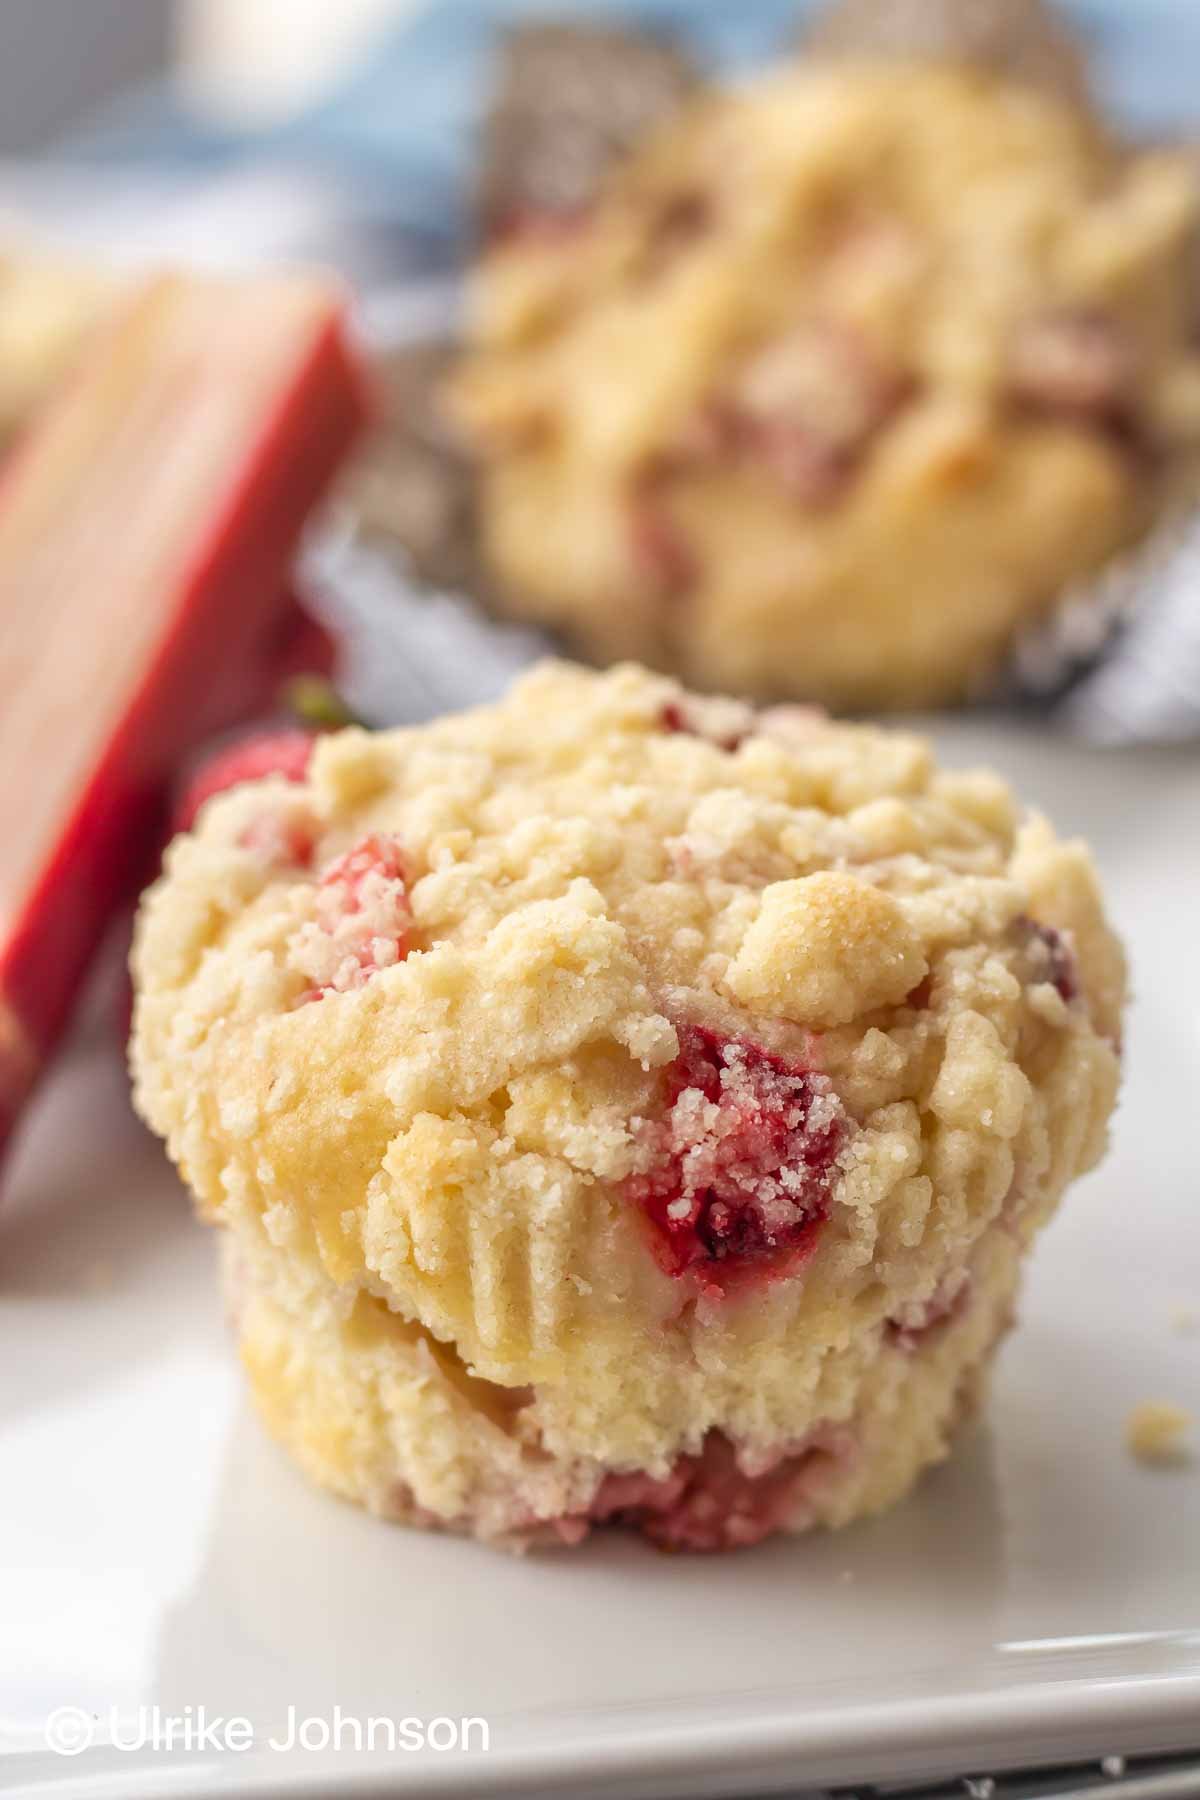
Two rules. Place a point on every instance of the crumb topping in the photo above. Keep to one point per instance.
(1158, 1430)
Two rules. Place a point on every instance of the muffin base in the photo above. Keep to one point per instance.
(376, 1409)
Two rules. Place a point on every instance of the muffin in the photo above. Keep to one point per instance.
(620, 1106)
(848, 374)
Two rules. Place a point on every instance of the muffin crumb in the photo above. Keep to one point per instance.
(1157, 1432)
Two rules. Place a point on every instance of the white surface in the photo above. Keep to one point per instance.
(1040, 1596)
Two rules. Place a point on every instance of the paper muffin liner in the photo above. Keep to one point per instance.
(1090, 619)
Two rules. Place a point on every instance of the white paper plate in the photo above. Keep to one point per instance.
(1038, 1598)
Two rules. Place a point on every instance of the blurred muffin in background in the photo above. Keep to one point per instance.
(847, 373)
(48, 309)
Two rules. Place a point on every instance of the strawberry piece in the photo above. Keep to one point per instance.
(277, 839)
(710, 1502)
(742, 1162)
(285, 753)
(147, 525)
(1078, 366)
(352, 876)
(804, 411)
(1050, 956)
(363, 922)
(706, 1503)
(725, 723)
(807, 408)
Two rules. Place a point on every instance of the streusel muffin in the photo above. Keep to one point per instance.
(849, 373)
(621, 1105)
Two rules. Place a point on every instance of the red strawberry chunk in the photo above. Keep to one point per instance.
(363, 918)
(280, 841)
(1079, 366)
(718, 1499)
(285, 753)
(813, 470)
(741, 1163)
(725, 723)
(1051, 956)
(809, 405)
(804, 410)
(709, 1503)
